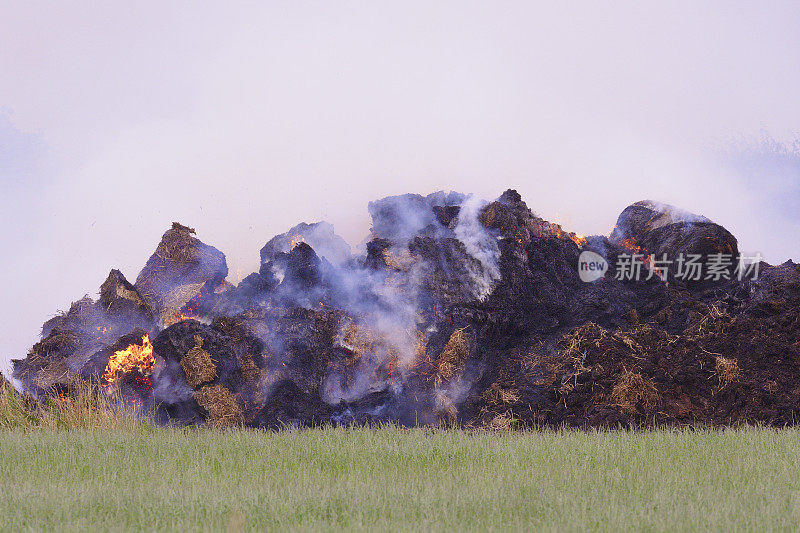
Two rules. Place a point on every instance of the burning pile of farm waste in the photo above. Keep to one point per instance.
(458, 312)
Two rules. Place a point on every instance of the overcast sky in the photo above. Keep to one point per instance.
(117, 118)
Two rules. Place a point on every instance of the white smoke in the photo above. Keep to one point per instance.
(480, 245)
(671, 214)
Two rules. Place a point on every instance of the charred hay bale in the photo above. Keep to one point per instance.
(516, 369)
(176, 341)
(632, 317)
(118, 296)
(648, 227)
(197, 364)
(177, 271)
(45, 364)
(319, 235)
(253, 288)
(301, 275)
(303, 268)
(644, 216)
(58, 345)
(249, 349)
(51, 324)
(511, 216)
(55, 375)
(78, 334)
(399, 218)
(222, 407)
(632, 390)
(309, 344)
(704, 238)
(449, 273)
(452, 359)
(81, 314)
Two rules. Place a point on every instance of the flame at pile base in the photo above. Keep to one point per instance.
(137, 357)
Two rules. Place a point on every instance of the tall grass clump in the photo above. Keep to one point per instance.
(16, 411)
(85, 406)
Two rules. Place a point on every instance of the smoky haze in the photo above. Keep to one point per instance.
(117, 119)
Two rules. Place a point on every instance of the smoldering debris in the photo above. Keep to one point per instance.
(459, 312)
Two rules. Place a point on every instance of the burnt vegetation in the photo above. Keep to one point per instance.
(457, 313)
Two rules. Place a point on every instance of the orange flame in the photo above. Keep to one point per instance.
(190, 310)
(294, 240)
(558, 232)
(580, 240)
(630, 245)
(134, 357)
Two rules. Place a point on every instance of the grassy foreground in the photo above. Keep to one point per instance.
(392, 478)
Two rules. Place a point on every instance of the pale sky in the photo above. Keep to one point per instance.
(117, 118)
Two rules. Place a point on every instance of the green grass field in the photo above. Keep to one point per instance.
(143, 478)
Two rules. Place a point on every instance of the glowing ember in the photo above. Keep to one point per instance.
(179, 317)
(391, 369)
(295, 240)
(134, 357)
(558, 232)
(642, 255)
(221, 287)
(580, 240)
(630, 245)
(193, 305)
